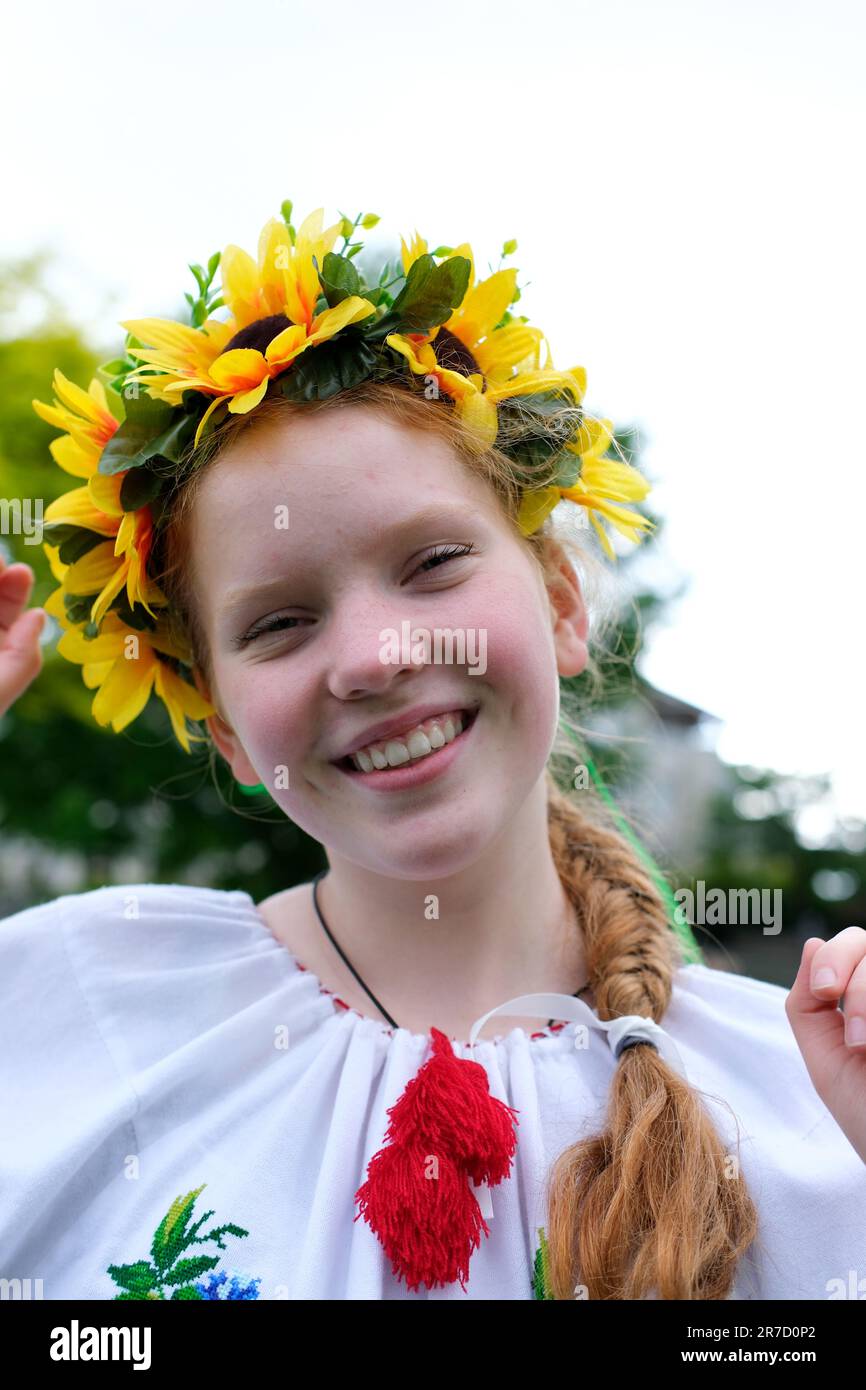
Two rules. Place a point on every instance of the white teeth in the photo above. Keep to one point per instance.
(418, 743)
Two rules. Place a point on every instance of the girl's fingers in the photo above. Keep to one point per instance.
(16, 583)
(813, 1009)
(833, 971)
(20, 656)
(20, 626)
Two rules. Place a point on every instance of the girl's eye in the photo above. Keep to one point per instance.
(270, 625)
(280, 624)
(448, 553)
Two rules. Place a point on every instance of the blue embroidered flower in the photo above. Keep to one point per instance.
(217, 1285)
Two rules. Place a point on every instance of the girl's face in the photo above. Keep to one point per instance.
(310, 539)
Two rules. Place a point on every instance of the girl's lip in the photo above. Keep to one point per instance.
(413, 774)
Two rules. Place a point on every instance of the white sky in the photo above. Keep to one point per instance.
(684, 181)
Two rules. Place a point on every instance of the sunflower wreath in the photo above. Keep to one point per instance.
(134, 432)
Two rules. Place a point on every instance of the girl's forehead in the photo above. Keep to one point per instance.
(332, 458)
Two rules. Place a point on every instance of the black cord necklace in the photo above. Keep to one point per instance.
(316, 881)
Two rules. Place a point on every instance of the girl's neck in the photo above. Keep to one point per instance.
(441, 951)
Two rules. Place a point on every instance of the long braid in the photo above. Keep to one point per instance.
(648, 1208)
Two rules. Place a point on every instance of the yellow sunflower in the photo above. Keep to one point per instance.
(123, 666)
(121, 560)
(86, 420)
(603, 484)
(286, 282)
(509, 358)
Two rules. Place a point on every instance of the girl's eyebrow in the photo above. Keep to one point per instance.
(438, 514)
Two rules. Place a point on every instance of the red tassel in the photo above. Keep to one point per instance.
(445, 1130)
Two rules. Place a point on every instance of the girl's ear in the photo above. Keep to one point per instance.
(570, 618)
(224, 737)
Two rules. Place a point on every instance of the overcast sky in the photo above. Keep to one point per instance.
(685, 184)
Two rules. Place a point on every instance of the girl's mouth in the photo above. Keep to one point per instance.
(418, 770)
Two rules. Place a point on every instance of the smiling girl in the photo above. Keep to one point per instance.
(472, 1058)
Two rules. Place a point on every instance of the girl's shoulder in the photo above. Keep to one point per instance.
(136, 960)
(737, 1042)
(733, 1017)
(117, 980)
(128, 917)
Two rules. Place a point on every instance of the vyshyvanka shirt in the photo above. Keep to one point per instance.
(185, 1111)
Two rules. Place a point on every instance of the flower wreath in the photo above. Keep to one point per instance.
(132, 433)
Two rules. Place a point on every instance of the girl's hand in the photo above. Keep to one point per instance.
(20, 653)
(835, 1056)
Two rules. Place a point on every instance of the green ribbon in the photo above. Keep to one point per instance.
(676, 921)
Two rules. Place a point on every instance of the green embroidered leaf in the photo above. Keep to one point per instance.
(139, 1279)
(541, 1274)
(169, 1236)
(219, 1231)
(172, 1235)
(186, 1270)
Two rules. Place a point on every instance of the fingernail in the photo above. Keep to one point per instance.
(824, 977)
(855, 1030)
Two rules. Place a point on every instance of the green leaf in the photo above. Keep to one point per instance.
(152, 429)
(538, 446)
(187, 1293)
(286, 212)
(330, 367)
(139, 1278)
(146, 418)
(77, 607)
(377, 296)
(114, 400)
(339, 279)
(201, 278)
(213, 265)
(139, 487)
(74, 541)
(188, 1269)
(568, 469)
(171, 1235)
(137, 617)
(428, 298)
(115, 366)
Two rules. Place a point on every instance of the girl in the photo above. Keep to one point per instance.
(348, 1091)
